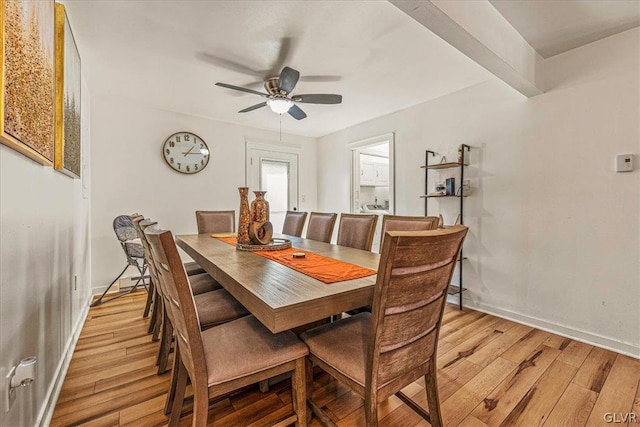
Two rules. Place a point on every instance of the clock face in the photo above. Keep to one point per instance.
(186, 152)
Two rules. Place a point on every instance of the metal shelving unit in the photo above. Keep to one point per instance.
(453, 289)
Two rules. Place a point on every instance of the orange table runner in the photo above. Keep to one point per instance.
(325, 269)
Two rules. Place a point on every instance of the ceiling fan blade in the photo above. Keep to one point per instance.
(320, 78)
(243, 89)
(288, 79)
(284, 52)
(297, 113)
(320, 98)
(253, 107)
(228, 64)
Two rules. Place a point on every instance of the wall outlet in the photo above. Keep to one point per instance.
(466, 185)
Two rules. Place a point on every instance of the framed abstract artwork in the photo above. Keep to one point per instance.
(68, 144)
(27, 78)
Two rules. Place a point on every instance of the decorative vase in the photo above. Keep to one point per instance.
(245, 216)
(260, 233)
(259, 208)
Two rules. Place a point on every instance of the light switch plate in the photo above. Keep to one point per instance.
(9, 393)
(623, 163)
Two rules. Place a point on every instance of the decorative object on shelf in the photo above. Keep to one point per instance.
(449, 191)
(67, 157)
(186, 152)
(27, 78)
(244, 220)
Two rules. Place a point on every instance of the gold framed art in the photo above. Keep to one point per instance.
(68, 87)
(27, 78)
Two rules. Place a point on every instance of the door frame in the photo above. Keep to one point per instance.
(284, 149)
(354, 161)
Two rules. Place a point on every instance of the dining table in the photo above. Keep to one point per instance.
(281, 297)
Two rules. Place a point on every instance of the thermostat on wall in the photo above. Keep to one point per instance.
(623, 163)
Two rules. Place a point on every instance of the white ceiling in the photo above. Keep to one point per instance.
(168, 54)
(555, 26)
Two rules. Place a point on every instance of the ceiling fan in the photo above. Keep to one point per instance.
(278, 95)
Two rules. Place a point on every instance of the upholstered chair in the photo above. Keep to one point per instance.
(357, 230)
(216, 221)
(408, 223)
(224, 358)
(377, 354)
(320, 226)
(294, 223)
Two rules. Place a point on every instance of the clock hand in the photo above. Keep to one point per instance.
(185, 154)
(197, 154)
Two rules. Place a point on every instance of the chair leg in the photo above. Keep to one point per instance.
(200, 405)
(147, 306)
(308, 378)
(165, 344)
(172, 385)
(181, 385)
(371, 410)
(433, 400)
(299, 390)
(158, 308)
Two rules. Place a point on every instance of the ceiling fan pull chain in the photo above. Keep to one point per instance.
(280, 127)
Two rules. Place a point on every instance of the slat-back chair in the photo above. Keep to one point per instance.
(357, 230)
(408, 223)
(377, 354)
(226, 357)
(320, 226)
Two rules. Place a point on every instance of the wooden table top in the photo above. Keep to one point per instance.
(280, 297)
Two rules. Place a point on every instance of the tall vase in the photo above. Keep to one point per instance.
(259, 208)
(245, 216)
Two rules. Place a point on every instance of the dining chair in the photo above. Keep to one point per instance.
(216, 221)
(377, 354)
(320, 226)
(224, 358)
(294, 223)
(357, 230)
(408, 223)
(201, 282)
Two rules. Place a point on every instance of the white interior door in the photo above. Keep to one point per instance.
(276, 173)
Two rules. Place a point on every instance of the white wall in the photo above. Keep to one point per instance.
(554, 233)
(44, 242)
(130, 175)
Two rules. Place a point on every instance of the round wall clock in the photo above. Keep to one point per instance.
(186, 152)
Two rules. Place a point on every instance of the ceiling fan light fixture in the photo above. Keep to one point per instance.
(279, 105)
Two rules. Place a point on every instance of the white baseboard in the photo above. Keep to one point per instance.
(51, 398)
(607, 343)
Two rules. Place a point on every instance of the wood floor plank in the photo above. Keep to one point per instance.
(497, 406)
(112, 379)
(619, 390)
(595, 369)
(539, 401)
(573, 408)
(457, 407)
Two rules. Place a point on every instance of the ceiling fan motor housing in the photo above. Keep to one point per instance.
(272, 86)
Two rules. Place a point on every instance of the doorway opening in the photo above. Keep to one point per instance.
(372, 178)
(274, 169)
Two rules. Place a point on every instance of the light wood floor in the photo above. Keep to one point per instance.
(492, 372)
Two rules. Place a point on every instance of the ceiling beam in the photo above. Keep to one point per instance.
(479, 31)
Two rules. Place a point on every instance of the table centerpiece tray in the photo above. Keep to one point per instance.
(276, 244)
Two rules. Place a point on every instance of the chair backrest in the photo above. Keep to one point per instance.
(141, 224)
(320, 226)
(294, 223)
(411, 290)
(179, 303)
(216, 221)
(408, 223)
(123, 226)
(356, 230)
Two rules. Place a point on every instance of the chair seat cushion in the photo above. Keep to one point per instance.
(244, 347)
(217, 307)
(342, 344)
(193, 268)
(201, 283)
